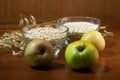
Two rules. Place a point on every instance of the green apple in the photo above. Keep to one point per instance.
(39, 53)
(81, 54)
(95, 38)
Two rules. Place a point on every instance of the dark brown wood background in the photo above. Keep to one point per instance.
(107, 10)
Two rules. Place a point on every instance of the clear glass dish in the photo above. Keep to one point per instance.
(55, 34)
(79, 25)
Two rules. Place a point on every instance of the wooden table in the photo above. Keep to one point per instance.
(16, 68)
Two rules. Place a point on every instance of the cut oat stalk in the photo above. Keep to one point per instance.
(105, 32)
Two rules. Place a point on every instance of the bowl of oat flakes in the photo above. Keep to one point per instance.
(79, 25)
(55, 34)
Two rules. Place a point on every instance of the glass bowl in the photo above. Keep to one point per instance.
(55, 34)
(79, 25)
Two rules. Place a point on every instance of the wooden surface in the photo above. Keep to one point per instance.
(107, 10)
(108, 68)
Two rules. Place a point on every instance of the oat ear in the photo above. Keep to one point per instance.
(32, 20)
(27, 20)
(21, 22)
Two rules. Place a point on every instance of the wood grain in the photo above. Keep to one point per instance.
(107, 10)
(108, 68)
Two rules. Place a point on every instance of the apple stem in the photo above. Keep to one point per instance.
(42, 51)
(81, 49)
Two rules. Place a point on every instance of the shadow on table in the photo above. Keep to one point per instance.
(100, 67)
(52, 66)
(97, 69)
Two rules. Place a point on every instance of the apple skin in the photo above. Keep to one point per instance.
(39, 53)
(95, 38)
(81, 55)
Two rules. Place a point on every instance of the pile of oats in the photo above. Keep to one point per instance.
(13, 41)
